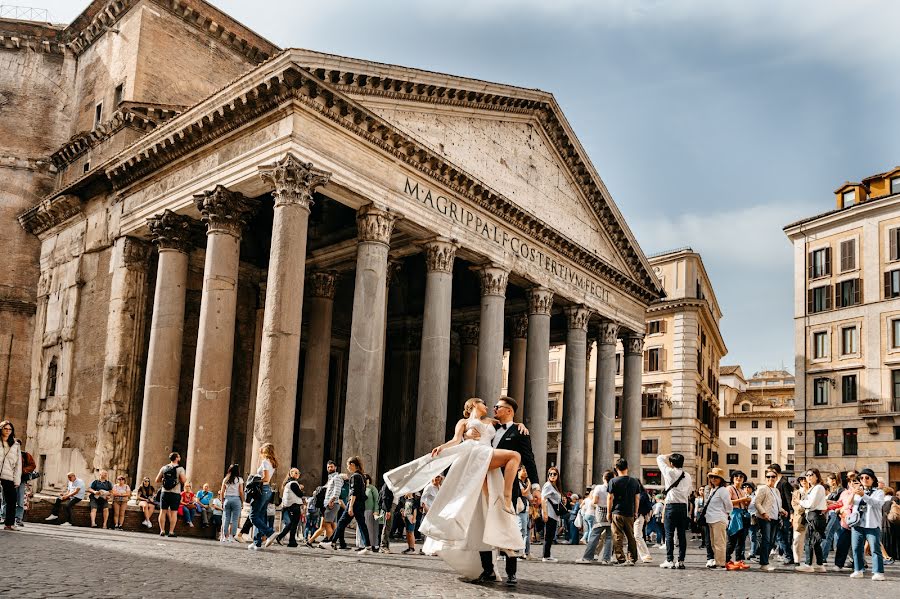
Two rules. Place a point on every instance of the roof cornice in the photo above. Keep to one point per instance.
(49, 212)
(283, 80)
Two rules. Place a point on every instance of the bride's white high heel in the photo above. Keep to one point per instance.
(502, 502)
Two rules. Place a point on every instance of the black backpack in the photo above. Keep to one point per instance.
(319, 495)
(645, 506)
(170, 477)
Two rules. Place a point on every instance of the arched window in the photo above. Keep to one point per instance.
(745, 407)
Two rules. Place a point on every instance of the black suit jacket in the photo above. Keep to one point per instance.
(514, 440)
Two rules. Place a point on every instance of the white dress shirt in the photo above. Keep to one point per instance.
(681, 493)
(500, 432)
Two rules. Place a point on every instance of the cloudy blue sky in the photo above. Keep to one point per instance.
(713, 123)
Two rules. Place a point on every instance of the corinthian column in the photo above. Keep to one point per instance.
(171, 234)
(314, 406)
(537, 363)
(362, 412)
(631, 402)
(490, 339)
(276, 394)
(124, 344)
(605, 400)
(468, 340)
(515, 386)
(434, 358)
(225, 214)
(573, 425)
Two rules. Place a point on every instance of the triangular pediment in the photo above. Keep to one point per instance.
(514, 157)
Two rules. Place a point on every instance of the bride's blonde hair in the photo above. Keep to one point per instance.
(470, 405)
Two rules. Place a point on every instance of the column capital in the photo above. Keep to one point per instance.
(224, 211)
(520, 326)
(323, 283)
(171, 231)
(577, 317)
(609, 333)
(439, 254)
(493, 279)
(468, 333)
(634, 343)
(295, 181)
(374, 224)
(540, 301)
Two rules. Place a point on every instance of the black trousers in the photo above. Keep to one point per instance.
(549, 535)
(676, 520)
(294, 512)
(66, 504)
(360, 516)
(10, 498)
(487, 563)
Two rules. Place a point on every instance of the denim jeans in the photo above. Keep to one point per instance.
(588, 526)
(523, 528)
(599, 534)
(767, 531)
(753, 534)
(231, 515)
(858, 538)
(258, 516)
(360, 516)
(831, 533)
(843, 547)
(785, 538)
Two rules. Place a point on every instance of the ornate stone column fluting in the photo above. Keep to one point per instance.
(537, 364)
(631, 402)
(515, 386)
(314, 405)
(171, 233)
(362, 414)
(434, 358)
(118, 413)
(468, 340)
(225, 214)
(605, 401)
(573, 425)
(490, 338)
(276, 396)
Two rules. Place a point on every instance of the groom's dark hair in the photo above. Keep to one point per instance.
(512, 403)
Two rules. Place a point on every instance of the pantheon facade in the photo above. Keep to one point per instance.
(237, 244)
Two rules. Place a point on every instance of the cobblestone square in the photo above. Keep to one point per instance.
(50, 561)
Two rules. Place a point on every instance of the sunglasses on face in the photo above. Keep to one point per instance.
(553, 474)
(771, 476)
(866, 476)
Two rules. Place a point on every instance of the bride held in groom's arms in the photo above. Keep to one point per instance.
(473, 509)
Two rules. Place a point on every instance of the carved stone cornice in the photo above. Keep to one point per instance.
(50, 212)
(374, 225)
(634, 343)
(171, 231)
(468, 333)
(295, 181)
(540, 301)
(135, 253)
(493, 279)
(323, 283)
(609, 333)
(520, 326)
(224, 211)
(577, 317)
(439, 255)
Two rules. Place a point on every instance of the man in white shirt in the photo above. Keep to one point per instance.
(430, 492)
(74, 493)
(678, 485)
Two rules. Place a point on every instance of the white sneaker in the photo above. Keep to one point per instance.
(147, 524)
(326, 545)
(66, 524)
(549, 559)
(710, 563)
(821, 568)
(877, 576)
(804, 568)
(667, 565)
(768, 568)
(581, 560)
(51, 518)
(252, 547)
(857, 574)
(363, 551)
(223, 540)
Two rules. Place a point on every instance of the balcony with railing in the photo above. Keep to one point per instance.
(877, 406)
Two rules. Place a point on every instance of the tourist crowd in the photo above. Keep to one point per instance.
(853, 519)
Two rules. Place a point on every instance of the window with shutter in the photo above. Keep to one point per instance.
(892, 284)
(820, 263)
(894, 243)
(848, 255)
(847, 293)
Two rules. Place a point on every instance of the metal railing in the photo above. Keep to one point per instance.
(876, 406)
(24, 13)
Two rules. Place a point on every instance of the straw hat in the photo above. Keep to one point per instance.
(717, 472)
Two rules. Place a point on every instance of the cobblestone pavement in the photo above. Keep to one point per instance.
(50, 561)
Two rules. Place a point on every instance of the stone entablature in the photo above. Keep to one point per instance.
(49, 213)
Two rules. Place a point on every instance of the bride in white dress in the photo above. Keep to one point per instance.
(472, 511)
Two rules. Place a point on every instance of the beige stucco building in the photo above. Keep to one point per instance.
(756, 418)
(680, 377)
(847, 330)
(223, 243)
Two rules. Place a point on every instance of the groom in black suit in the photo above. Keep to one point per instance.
(508, 437)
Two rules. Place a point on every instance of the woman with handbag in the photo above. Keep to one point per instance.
(551, 506)
(259, 506)
(865, 523)
(815, 505)
(715, 514)
(738, 523)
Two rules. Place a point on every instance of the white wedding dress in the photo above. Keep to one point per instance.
(462, 521)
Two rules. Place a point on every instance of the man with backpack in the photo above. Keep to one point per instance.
(675, 515)
(171, 479)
